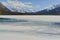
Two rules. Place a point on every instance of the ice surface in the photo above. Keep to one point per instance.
(29, 28)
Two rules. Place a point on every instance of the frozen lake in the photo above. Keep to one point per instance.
(29, 27)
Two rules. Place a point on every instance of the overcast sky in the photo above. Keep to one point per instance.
(33, 4)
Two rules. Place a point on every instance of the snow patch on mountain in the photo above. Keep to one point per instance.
(52, 7)
(19, 6)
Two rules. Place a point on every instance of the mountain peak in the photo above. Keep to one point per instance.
(52, 10)
(52, 7)
(16, 6)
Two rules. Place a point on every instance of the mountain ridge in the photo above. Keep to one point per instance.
(52, 11)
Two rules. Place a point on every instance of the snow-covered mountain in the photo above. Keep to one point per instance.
(52, 7)
(53, 10)
(16, 6)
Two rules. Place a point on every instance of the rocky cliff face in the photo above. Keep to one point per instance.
(3, 8)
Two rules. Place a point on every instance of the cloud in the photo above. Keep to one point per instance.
(19, 6)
